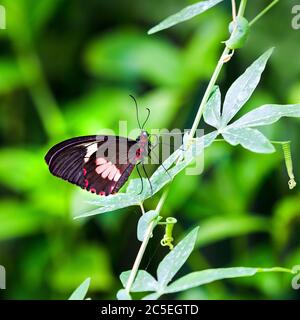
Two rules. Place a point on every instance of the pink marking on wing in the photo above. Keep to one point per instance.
(84, 171)
(103, 167)
(93, 190)
(101, 193)
(86, 182)
(112, 173)
(105, 173)
(117, 176)
(100, 161)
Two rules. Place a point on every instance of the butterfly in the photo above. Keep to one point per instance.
(100, 164)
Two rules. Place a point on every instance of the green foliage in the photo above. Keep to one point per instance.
(241, 202)
(174, 164)
(172, 263)
(86, 261)
(130, 55)
(241, 131)
(242, 89)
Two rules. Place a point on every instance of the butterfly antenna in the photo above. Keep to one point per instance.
(148, 115)
(137, 111)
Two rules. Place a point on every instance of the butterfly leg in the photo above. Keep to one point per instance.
(138, 171)
(163, 168)
(146, 174)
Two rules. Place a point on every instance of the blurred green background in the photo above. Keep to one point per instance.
(67, 69)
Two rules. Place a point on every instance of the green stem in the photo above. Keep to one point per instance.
(275, 269)
(144, 244)
(242, 8)
(214, 78)
(272, 141)
(279, 142)
(208, 92)
(142, 208)
(191, 135)
(263, 12)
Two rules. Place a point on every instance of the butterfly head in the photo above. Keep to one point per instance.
(143, 137)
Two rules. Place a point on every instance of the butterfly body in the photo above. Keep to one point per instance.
(99, 164)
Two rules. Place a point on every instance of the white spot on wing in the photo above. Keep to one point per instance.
(89, 151)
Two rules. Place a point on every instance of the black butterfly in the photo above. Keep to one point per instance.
(99, 164)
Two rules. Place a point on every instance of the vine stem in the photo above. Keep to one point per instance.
(233, 5)
(214, 78)
(208, 91)
(263, 12)
(272, 141)
(144, 244)
(204, 100)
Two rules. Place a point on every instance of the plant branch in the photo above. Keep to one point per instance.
(263, 12)
(214, 78)
(233, 6)
(242, 8)
(144, 244)
(199, 114)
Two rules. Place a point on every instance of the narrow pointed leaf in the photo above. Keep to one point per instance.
(185, 14)
(174, 260)
(199, 278)
(212, 112)
(267, 114)
(81, 291)
(250, 139)
(143, 281)
(242, 89)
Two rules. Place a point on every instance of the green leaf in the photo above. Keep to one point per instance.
(199, 278)
(143, 281)
(158, 180)
(267, 114)
(174, 260)
(286, 213)
(41, 12)
(129, 55)
(85, 261)
(11, 76)
(242, 89)
(185, 14)
(250, 139)
(144, 223)
(81, 291)
(29, 164)
(212, 111)
(19, 219)
(220, 228)
(123, 295)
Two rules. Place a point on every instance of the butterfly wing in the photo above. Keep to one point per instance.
(99, 164)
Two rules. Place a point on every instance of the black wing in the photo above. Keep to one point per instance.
(99, 164)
